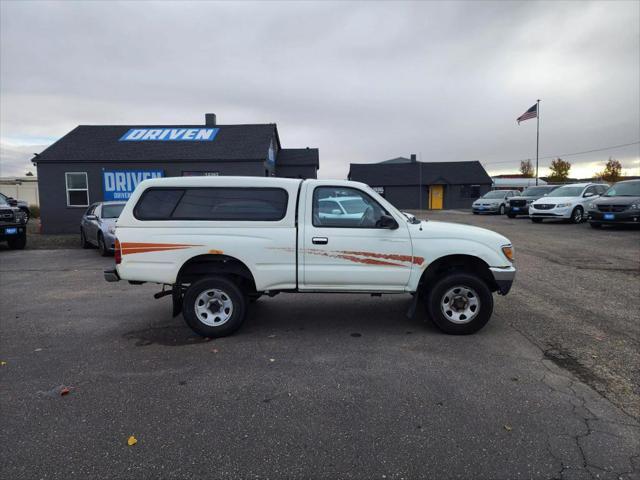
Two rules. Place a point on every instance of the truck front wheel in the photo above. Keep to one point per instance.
(460, 303)
(214, 307)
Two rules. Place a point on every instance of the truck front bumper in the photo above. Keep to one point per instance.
(503, 277)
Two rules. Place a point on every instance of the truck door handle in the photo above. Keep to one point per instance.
(320, 240)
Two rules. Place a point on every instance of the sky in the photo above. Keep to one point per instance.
(361, 81)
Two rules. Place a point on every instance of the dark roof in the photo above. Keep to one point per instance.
(452, 173)
(298, 156)
(397, 160)
(95, 143)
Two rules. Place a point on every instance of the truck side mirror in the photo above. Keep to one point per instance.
(12, 201)
(387, 221)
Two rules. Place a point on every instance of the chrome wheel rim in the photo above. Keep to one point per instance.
(214, 307)
(460, 304)
(577, 216)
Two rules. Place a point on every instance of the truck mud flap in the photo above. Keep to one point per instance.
(176, 295)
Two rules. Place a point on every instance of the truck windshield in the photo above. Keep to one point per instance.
(112, 211)
(536, 191)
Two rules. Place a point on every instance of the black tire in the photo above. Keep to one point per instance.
(475, 213)
(230, 291)
(27, 211)
(595, 225)
(577, 215)
(18, 243)
(536, 219)
(472, 283)
(83, 240)
(511, 215)
(102, 247)
(501, 210)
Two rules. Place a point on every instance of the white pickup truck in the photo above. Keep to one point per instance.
(219, 242)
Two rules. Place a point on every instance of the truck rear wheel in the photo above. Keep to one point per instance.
(214, 307)
(460, 304)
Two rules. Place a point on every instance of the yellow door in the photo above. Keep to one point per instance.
(435, 197)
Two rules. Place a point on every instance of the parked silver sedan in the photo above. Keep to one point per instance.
(98, 226)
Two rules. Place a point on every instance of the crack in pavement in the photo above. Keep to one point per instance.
(585, 417)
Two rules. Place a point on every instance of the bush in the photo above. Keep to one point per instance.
(35, 211)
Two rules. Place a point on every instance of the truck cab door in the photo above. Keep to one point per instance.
(353, 250)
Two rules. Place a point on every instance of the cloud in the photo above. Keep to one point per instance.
(362, 81)
(16, 159)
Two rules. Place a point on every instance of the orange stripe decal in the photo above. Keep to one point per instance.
(139, 247)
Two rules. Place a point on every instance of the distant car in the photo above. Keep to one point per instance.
(341, 208)
(619, 205)
(494, 201)
(21, 204)
(520, 205)
(13, 229)
(568, 202)
(98, 226)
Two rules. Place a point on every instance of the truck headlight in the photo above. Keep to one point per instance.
(561, 205)
(635, 206)
(508, 252)
(592, 206)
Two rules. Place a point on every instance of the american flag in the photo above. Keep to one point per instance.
(531, 113)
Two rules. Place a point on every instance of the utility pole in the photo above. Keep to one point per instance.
(537, 136)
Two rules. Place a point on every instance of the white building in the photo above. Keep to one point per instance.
(21, 188)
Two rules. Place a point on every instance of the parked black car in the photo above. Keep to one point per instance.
(520, 205)
(21, 204)
(619, 205)
(13, 225)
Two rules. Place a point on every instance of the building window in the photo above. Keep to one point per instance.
(470, 191)
(77, 189)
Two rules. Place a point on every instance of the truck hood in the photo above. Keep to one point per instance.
(453, 231)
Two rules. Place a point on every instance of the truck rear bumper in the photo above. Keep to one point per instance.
(111, 275)
(503, 277)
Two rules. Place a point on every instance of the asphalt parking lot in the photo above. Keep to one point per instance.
(328, 386)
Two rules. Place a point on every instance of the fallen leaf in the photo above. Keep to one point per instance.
(65, 391)
(214, 350)
(272, 359)
(508, 428)
(38, 350)
(271, 336)
(2, 364)
(131, 441)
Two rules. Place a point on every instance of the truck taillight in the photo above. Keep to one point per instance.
(117, 254)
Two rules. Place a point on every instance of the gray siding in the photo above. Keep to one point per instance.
(56, 217)
(414, 197)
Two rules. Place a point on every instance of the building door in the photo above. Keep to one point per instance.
(435, 197)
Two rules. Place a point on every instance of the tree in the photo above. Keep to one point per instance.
(526, 168)
(612, 171)
(559, 170)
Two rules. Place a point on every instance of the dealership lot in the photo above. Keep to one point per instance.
(328, 386)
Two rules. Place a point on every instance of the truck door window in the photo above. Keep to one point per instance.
(345, 207)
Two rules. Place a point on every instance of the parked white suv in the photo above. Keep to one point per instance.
(219, 241)
(568, 202)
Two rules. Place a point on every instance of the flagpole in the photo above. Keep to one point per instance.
(537, 136)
